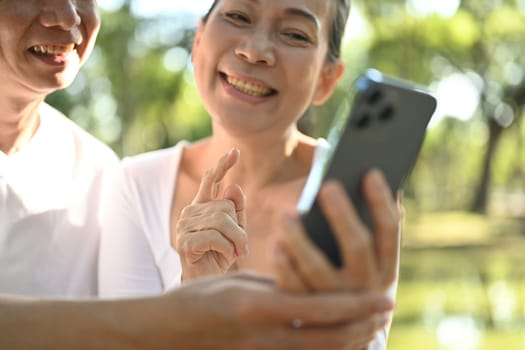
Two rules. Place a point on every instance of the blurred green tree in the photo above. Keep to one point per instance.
(479, 40)
(136, 92)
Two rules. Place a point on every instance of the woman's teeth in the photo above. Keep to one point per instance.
(248, 88)
(52, 49)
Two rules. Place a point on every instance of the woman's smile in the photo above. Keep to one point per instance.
(248, 89)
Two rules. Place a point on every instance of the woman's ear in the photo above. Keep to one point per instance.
(197, 39)
(330, 76)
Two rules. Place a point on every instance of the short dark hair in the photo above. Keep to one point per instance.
(336, 32)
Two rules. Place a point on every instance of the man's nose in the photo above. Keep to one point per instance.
(59, 13)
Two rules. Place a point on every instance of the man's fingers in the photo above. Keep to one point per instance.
(309, 338)
(363, 332)
(210, 185)
(319, 309)
(341, 337)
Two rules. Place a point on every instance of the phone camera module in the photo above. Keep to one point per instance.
(374, 96)
(361, 119)
(386, 112)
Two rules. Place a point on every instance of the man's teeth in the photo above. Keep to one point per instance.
(53, 49)
(248, 88)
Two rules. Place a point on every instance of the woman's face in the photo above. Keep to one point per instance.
(43, 43)
(259, 64)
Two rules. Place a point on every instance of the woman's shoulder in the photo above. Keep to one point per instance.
(151, 168)
(153, 159)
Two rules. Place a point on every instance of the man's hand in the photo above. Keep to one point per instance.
(243, 311)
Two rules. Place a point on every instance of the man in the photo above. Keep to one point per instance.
(51, 171)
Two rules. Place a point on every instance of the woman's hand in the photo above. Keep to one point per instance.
(210, 233)
(370, 260)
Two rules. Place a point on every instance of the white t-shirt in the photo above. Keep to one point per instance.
(136, 255)
(49, 219)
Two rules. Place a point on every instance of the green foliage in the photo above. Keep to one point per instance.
(482, 40)
(462, 283)
(426, 49)
(136, 92)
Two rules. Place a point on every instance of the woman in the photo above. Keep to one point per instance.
(258, 65)
(51, 171)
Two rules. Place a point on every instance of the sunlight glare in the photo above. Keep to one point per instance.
(149, 8)
(443, 8)
(110, 5)
(458, 96)
(459, 332)
(176, 59)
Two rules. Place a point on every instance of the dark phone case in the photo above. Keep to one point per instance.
(385, 130)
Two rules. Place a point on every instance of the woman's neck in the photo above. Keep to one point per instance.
(264, 160)
(19, 121)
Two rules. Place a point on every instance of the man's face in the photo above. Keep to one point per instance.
(43, 43)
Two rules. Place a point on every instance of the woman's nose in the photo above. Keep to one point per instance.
(257, 48)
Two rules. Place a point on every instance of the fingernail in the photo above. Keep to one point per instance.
(375, 174)
(226, 155)
(377, 179)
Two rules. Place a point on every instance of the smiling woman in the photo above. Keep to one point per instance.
(217, 205)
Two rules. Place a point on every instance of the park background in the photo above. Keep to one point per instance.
(462, 282)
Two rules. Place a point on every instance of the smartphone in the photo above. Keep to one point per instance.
(383, 127)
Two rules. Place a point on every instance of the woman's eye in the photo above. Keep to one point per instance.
(236, 17)
(296, 37)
